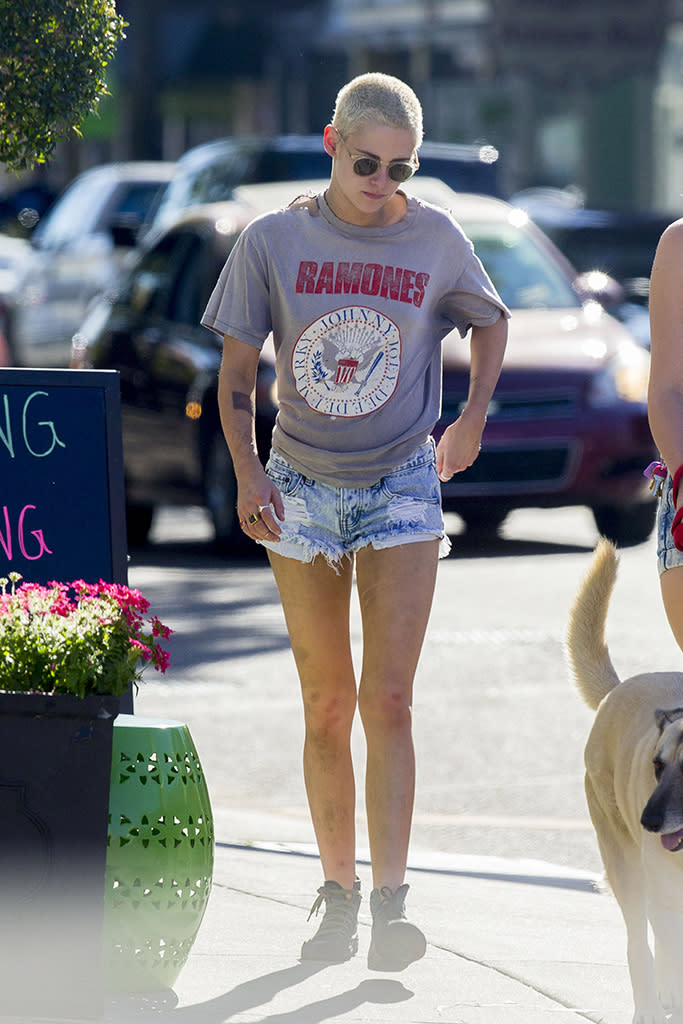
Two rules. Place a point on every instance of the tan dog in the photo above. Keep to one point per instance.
(634, 788)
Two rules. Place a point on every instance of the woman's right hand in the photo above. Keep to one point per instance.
(257, 495)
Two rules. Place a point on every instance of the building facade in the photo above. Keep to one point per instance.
(570, 93)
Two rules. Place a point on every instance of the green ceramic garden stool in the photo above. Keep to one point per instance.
(159, 854)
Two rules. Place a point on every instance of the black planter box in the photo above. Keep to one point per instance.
(55, 763)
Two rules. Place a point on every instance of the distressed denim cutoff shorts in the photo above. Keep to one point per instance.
(401, 508)
(668, 555)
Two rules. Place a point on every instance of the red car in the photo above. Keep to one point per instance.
(568, 421)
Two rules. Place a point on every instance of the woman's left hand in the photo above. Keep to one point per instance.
(459, 445)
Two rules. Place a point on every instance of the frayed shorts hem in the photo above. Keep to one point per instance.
(307, 553)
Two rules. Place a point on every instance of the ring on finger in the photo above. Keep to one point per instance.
(253, 518)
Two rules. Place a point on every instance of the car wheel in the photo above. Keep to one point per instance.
(484, 520)
(138, 523)
(220, 495)
(626, 525)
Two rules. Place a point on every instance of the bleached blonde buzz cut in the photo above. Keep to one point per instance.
(375, 98)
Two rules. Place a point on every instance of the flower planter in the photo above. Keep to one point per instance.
(55, 765)
(160, 854)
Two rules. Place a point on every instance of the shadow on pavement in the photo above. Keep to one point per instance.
(193, 554)
(254, 993)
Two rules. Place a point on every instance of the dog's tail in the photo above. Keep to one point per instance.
(589, 658)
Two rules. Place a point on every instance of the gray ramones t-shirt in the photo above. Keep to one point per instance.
(357, 316)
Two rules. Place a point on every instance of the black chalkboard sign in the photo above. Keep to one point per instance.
(62, 503)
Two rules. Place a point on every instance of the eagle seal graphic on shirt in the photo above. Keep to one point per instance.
(347, 362)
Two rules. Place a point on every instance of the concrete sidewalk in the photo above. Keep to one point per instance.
(509, 942)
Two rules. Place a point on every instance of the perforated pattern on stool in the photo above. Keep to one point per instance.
(159, 855)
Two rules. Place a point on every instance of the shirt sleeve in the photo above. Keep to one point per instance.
(473, 301)
(240, 303)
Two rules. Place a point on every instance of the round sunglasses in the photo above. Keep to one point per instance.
(365, 166)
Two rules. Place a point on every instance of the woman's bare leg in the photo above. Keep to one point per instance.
(395, 588)
(316, 603)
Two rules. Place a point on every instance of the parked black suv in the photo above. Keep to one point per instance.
(174, 449)
(209, 173)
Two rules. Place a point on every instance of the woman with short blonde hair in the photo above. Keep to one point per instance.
(358, 285)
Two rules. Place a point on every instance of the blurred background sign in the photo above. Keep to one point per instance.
(564, 41)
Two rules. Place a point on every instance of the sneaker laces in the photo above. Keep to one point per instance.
(392, 903)
(341, 908)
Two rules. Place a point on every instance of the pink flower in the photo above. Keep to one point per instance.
(145, 652)
(105, 623)
(158, 629)
(162, 660)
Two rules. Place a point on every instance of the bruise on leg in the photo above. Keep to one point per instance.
(328, 721)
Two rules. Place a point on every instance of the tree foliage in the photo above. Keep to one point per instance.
(53, 60)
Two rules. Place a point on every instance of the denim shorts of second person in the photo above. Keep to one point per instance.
(401, 508)
(668, 555)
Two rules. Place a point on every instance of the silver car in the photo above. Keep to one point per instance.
(79, 250)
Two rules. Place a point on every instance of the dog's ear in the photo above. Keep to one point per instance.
(664, 718)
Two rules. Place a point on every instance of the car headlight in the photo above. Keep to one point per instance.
(623, 379)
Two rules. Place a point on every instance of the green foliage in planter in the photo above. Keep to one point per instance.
(53, 59)
(77, 638)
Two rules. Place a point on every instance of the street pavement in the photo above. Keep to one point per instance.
(511, 939)
(509, 942)
(517, 932)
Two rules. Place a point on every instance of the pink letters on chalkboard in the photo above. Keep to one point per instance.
(6, 536)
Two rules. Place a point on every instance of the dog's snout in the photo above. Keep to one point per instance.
(652, 818)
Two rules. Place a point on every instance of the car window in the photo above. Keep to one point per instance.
(274, 165)
(184, 299)
(153, 277)
(73, 215)
(196, 278)
(214, 182)
(462, 175)
(524, 274)
(134, 199)
(622, 252)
